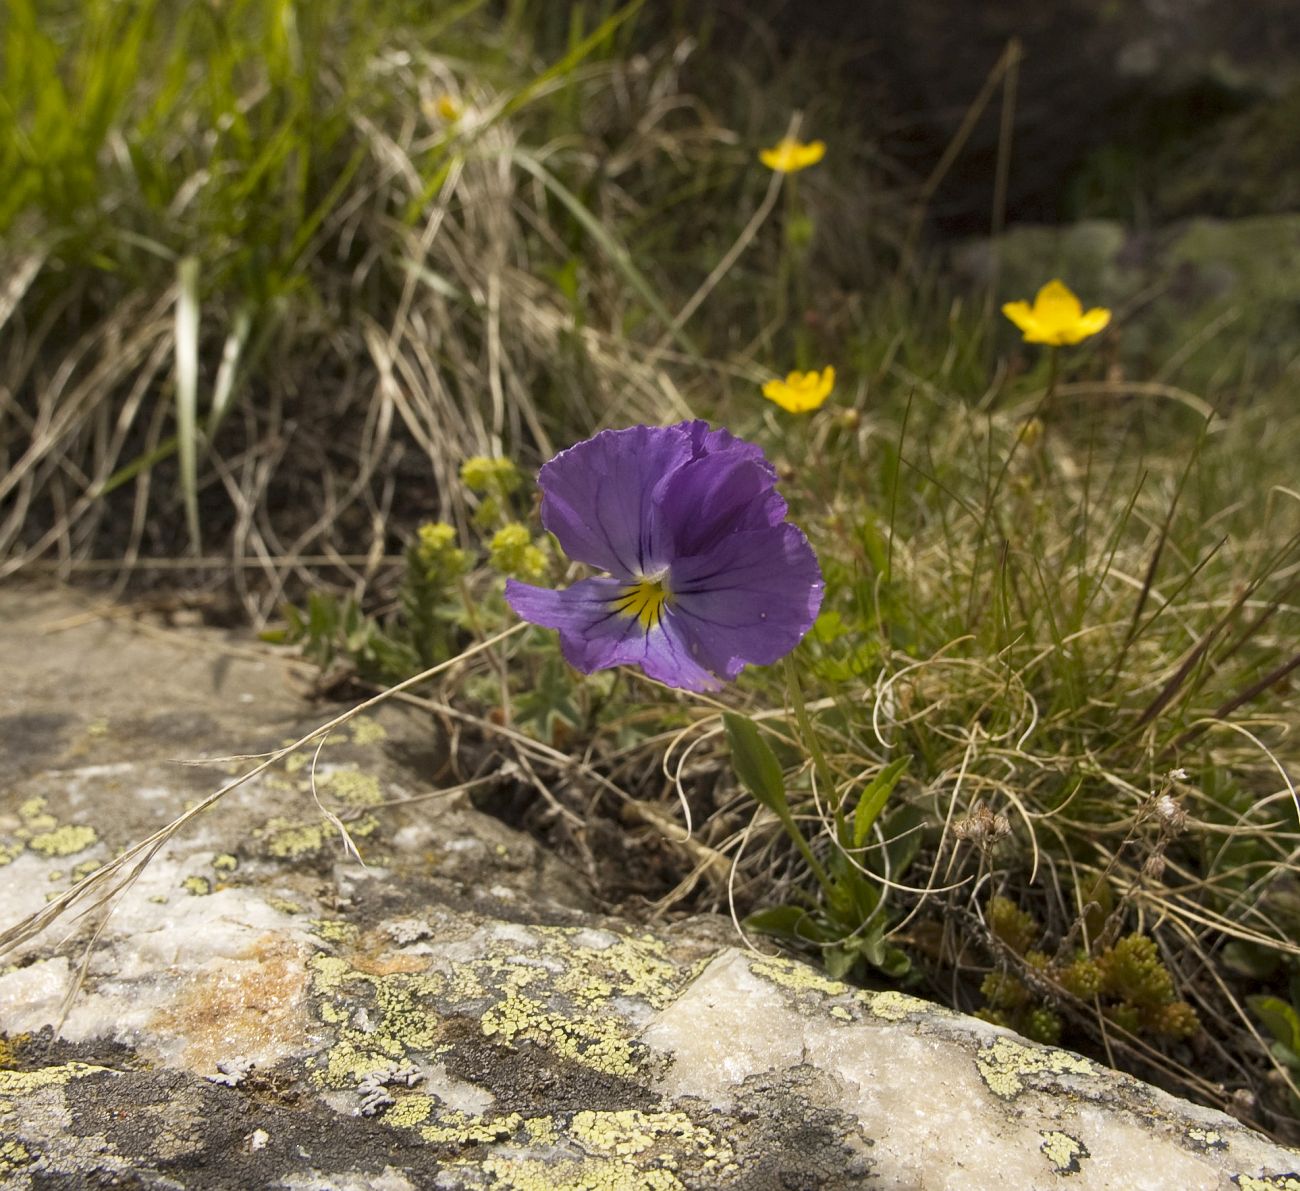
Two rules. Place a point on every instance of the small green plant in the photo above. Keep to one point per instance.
(439, 606)
(1281, 1018)
(849, 918)
(1126, 980)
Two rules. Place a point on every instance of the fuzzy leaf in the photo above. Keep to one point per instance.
(874, 798)
(1280, 1019)
(756, 764)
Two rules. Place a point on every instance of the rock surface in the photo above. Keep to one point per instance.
(261, 1010)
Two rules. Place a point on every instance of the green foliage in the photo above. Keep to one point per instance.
(847, 922)
(432, 624)
(1127, 978)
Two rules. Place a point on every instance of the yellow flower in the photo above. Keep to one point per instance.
(789, 155)
(1056, 317)
(447, 107)
(801, 391)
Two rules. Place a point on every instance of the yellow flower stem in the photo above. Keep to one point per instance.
(1053, 370)
(813, 744)
(798, 259)
(1053, 367)
(784, 265)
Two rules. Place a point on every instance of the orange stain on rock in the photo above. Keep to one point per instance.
(252, 1007)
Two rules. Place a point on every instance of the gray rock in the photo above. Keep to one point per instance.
(261, 1011)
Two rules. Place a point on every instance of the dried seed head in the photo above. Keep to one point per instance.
(1170, 812)
(982, 827)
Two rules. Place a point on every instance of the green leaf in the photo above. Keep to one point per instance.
(789, 922)
(755, 763)
(839, 961)
(903, 831)
(1250, 960)
(1280, 1019)
(874, 798)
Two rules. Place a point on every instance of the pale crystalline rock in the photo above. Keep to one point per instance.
(951, 1103)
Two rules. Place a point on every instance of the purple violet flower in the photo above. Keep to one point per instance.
(705, 575)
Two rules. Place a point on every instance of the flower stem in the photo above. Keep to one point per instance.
(811, 742)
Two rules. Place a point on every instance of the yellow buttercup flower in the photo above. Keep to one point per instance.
(789, 155)
(801, 391)
(1056, 317)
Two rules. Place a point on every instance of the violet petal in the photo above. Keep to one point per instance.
(749, 600)
(597, 497)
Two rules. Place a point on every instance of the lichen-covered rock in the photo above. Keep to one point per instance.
(260, 1010)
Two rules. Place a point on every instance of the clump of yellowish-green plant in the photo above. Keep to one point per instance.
(448, 594)
(1127, 978)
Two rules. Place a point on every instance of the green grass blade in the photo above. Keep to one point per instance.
(187, 389)
(614, 251)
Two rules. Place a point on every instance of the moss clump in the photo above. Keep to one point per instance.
(1132, 982)
(1012, 925)
(9, 1049)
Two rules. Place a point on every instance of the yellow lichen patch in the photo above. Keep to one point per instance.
(63, 841)
(1268, 1182)
(35, 817)
(334, 930)
(630, 1132)
(541, 1131)
(225, 862)
(796, 976)
(13, 1154)
(456, 1128)
(1005, 1065)
(24, 1083)
(351, 787)
(595, 1174)
(197, 886)
(840, 1013)
(284, 905)
(399, 1021)
(1207, 1139)
(409, 1111)
(1064, 1152)
(296, 761)
(626, 968)
(367, 731)
(600, 1042)
(893, 1006)
(84, 869)
(287, 840)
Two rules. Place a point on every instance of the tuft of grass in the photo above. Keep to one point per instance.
(265, 288)
(1075, 622)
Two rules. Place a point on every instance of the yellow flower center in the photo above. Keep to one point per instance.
(643, 601)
